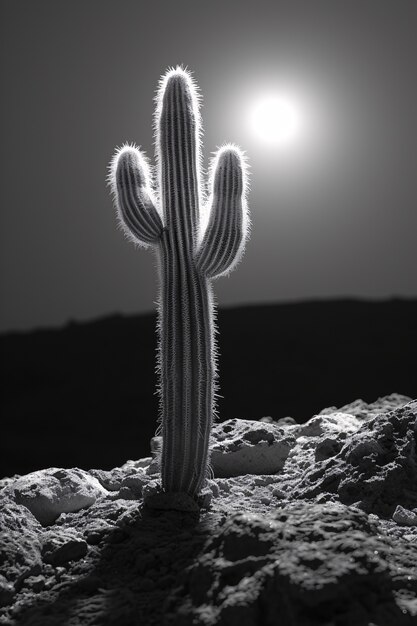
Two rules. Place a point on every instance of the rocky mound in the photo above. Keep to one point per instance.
(308, 524)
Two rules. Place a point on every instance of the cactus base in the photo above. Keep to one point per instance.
(157, 499)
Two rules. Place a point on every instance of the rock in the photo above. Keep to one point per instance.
(330, 423)
(63, 546)
(376, 468)
(20, 548)
(362, 410)
(36, 583)
(320, 438)
(97, 531)
(110, 480)
(6, 592)
(300, 564)
(286, 421)
(50, 492)
(135, 483)
(404, 517)
(241, 447)
(328, 447)
(327, 539)
(130, 478)
(135, 465)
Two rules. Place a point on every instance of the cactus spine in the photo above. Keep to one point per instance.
(195, 241)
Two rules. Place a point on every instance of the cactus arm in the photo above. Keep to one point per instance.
(224, 239)
(130, 181)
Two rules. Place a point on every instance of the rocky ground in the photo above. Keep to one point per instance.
(308, 524)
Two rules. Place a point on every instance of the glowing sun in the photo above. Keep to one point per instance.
(275, 119)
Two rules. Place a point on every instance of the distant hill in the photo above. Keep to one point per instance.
(84, 395)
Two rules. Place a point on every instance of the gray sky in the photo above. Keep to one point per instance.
(334, 212)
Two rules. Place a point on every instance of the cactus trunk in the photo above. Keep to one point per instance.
(186, 370)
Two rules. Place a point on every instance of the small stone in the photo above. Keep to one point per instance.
(286, 421)
(110, 480)
(404, 517)
(156, 445)
(213, 487)
(278, 493)
(60, 571)
(94, 537)
(328, 447)
(135, 482)
(59, 549)
(6, 592)
(36, 583)
(137, 464)
(96, 532)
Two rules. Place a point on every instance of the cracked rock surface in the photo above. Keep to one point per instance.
(312, 524)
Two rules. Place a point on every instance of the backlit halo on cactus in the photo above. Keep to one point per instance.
(196, 239)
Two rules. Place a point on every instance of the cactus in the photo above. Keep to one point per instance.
(196, 239)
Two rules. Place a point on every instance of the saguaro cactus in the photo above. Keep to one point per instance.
(196, 238)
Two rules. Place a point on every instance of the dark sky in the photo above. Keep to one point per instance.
(333, 215)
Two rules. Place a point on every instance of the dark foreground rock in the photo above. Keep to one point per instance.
(305, 564)
(330, 538)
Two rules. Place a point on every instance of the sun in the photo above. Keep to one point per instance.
(275, 119)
